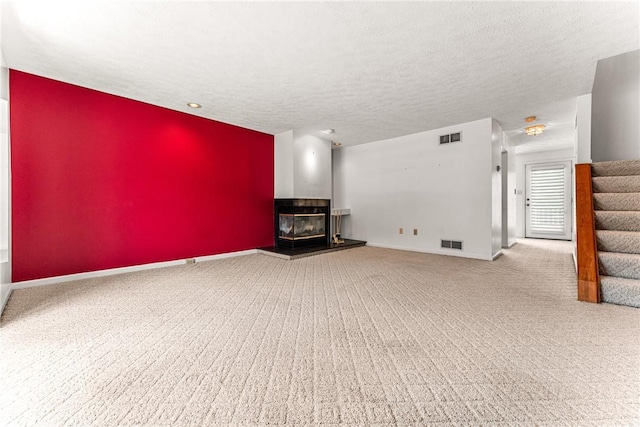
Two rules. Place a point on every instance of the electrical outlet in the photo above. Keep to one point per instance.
(415, 231)
(190, 261)
(400, 231)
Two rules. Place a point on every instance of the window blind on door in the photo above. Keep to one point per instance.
(546, 200)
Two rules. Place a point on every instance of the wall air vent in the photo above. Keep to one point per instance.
(451, 244)
(452, 137)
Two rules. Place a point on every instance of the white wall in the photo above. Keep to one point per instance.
(496, 188)
(311, 167)
(615, 127)
(337, 195)
(283, 165)
(531, 158)
(5, 237)
(512, 188)
(302, 165)
(508, 193)
(583, 129)
(444, 191)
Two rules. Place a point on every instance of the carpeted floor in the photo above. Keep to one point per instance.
(367, 336)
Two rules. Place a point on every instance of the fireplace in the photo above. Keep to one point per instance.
(301, 222)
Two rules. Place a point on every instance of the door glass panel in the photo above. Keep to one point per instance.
(546, 200)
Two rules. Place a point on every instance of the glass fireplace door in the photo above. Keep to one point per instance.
(301, 226)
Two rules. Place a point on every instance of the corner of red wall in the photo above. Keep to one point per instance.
(100, 181)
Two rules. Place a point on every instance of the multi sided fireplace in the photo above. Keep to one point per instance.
(301, 222)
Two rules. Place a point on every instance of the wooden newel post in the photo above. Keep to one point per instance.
(587, 254)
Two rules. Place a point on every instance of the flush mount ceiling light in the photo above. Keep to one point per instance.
(194, 105)
(337, 144)
(533, 130)
(329, 131)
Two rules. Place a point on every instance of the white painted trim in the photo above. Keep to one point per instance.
(496, 255)
(6, 299)
(121, 270)
(451, 252)
(226, 255)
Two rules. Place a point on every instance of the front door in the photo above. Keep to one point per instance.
(548, 201)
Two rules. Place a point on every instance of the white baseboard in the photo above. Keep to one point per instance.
(450, 252)
(227, 255)
(121, 270)
(496, 255)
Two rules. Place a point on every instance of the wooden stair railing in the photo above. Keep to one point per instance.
(587, 254)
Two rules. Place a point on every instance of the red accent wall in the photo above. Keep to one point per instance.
(100, 181)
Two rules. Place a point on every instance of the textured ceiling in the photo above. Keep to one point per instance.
(368, 70)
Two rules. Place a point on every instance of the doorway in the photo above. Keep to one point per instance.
(548, 201)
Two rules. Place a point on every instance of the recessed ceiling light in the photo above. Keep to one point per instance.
(337, 144)
(329, 131)
(194, 105)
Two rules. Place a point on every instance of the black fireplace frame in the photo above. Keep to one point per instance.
(302, 207)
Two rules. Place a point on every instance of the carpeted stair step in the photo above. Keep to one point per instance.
(620, 291)
(616, 264)
(617, 220)
(616, 184)
(616, 201)
(616, 168)
(627, 242)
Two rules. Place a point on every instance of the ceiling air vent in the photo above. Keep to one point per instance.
(452, 137)
(451, 244)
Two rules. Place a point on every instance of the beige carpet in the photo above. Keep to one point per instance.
(365, 336)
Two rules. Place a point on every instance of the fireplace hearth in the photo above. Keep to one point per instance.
(301, 223)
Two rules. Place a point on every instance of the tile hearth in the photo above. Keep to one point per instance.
(301, 252)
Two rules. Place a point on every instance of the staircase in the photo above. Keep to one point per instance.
(616, 204)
